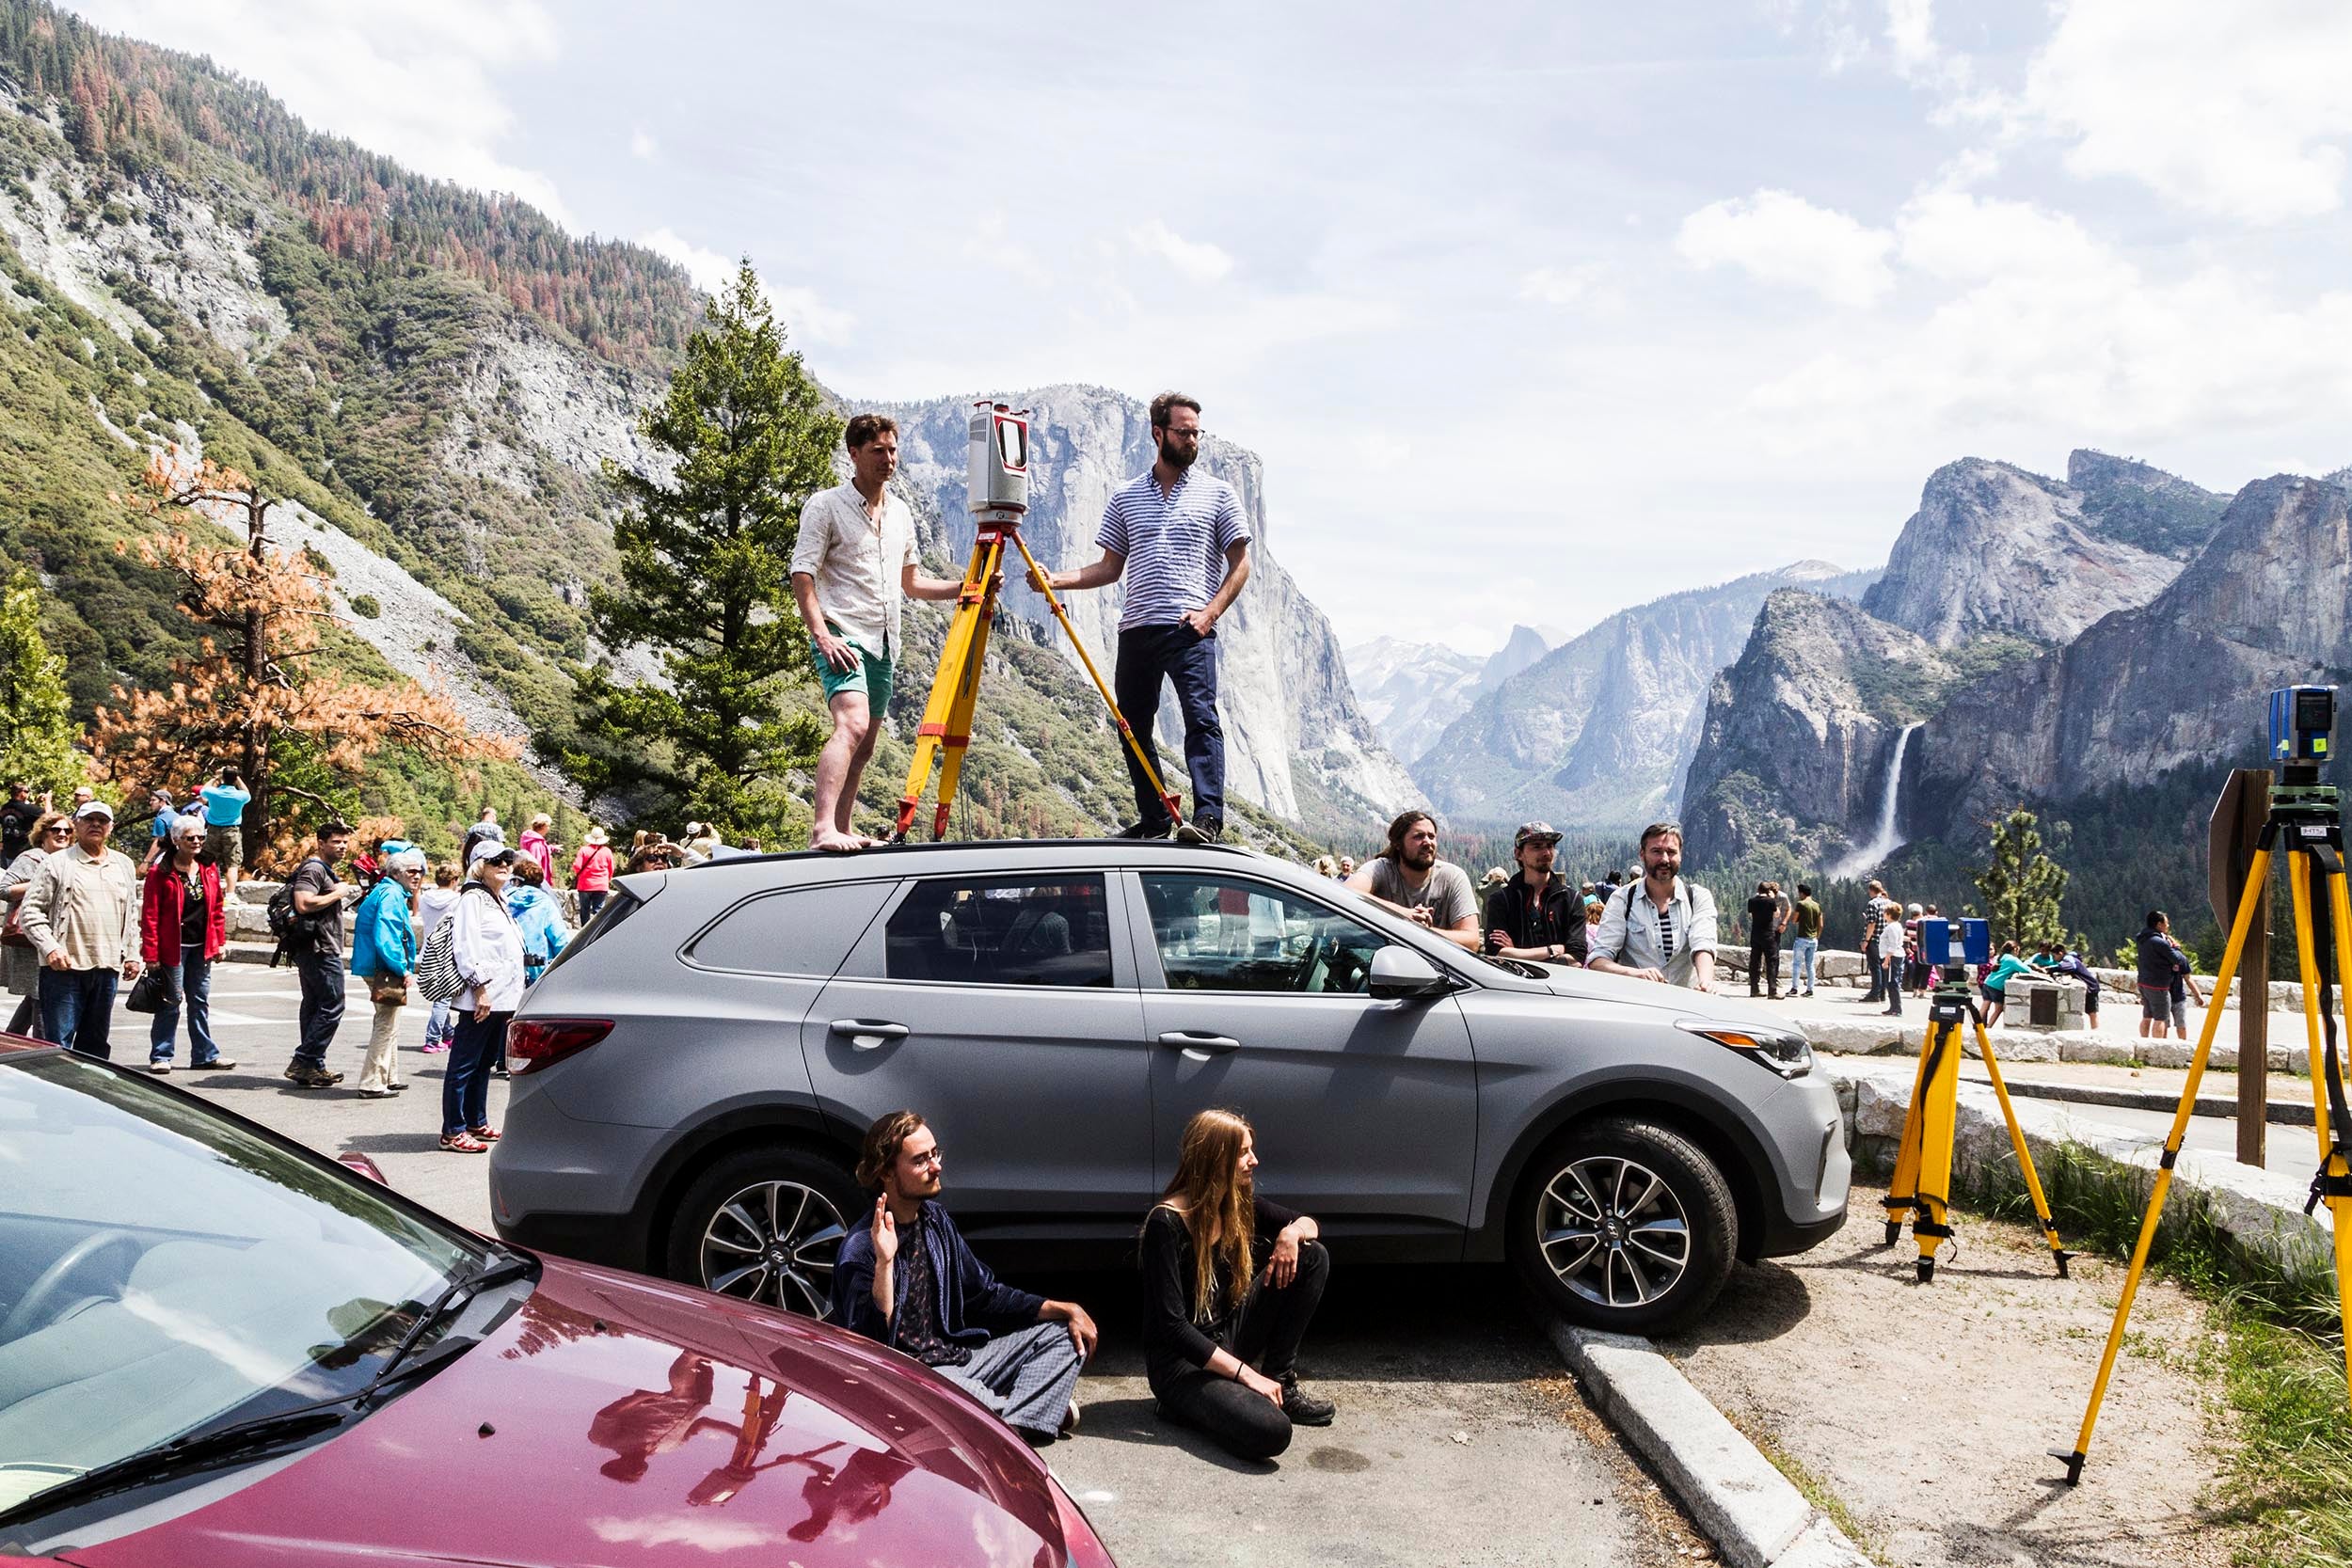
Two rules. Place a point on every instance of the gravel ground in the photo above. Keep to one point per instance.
(1926, 1409)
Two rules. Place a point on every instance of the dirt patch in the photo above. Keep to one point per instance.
(1925, 1409)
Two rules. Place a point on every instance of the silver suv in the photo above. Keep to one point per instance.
(695, 1072)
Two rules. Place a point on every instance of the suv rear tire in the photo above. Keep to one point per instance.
(1623, 1225)
(764, 1225)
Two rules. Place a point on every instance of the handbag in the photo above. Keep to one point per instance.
(392, 989)
(151, 992)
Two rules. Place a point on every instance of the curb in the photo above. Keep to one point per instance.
(2281, 1113)
(1752, 1512)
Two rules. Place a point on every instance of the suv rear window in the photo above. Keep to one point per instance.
(1002, 931)
(803, 931)
(616, 909)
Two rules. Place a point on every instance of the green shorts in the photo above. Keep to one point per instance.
(872, 675)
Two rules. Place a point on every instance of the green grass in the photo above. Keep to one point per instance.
(2281, 1356)
(1811, 1487)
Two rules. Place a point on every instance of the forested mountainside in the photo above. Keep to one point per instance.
(435, 374)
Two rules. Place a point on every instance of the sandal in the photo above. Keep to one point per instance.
(463, 1143)
(485, 1132)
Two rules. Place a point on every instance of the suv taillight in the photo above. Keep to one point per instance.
(533, 1043)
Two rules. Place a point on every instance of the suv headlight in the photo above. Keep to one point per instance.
(1787, 1051)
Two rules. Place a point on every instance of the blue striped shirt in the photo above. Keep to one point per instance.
(1174, 543)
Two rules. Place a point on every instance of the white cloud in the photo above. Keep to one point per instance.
(1195, 258)
(808, 319)
(642, 145)
(1911, 37)
(2241, 112)
(1782, 238)
(411, 79)
(1561, 285)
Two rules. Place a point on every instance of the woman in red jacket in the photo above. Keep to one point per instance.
(591, 874)
(183, 928)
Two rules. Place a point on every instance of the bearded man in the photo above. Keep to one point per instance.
(1176, 527)
(1407, 877)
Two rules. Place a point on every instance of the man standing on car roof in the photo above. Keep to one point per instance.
(1166, 531)
(907, 1279)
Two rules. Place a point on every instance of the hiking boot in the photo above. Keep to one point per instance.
(1305, 1409)
(1144, 830)
(309, 1077)
(1198, 831)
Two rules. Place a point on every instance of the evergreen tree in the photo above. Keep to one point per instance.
(35, 733)
(705, 583)
(2023, 886)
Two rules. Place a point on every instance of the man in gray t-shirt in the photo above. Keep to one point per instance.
(1408, 879)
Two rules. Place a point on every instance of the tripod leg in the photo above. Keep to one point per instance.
(1037, 579)
(2333, 1170)
(957, 739)
(1902, 1188)
(1938, 1122)
(936, 708)
(2257, 884)
(2017, 1142)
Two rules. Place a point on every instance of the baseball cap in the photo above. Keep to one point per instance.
(94, 808)
(1534, 831)
(490, 849)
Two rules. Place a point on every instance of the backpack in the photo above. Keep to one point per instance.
(437, 979)
(294, 929)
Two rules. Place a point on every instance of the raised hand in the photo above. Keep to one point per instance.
(885, 1233)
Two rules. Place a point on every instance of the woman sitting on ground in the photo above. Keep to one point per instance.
(1221, 1331)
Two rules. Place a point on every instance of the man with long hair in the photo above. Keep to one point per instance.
(1221, 1332)
(1407, 877)
(907, 1279)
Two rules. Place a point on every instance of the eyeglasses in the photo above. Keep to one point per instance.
(61, 829)
(1182, 434)
(932, 1157)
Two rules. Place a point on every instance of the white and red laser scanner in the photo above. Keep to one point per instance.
(996, 482)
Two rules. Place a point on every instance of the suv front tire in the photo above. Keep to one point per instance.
(1623, 1225)
(764, 1225)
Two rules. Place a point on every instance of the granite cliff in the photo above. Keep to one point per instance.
(1413, 690)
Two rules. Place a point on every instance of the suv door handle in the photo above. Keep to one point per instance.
(1198, 1048)
(863, 1035)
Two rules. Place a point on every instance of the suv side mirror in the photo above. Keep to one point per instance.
(1398, 973)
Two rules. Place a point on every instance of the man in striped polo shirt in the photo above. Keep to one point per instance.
(1183, 536)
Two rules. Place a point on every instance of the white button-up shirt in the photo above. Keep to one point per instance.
(857, 561)
(1634, 931)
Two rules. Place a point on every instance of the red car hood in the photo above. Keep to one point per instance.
(620, 1420)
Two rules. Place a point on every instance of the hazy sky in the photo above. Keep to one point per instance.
(1533, 311)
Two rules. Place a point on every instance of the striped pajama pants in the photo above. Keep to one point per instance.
(1026, 1378)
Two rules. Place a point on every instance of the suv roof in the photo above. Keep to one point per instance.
(1146, 846)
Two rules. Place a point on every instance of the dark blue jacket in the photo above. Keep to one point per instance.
(973, 1301)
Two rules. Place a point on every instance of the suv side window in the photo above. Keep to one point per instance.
(1218, 933)
(1001, 931)
(804, 930)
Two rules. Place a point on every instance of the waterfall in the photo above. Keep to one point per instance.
(1888, 839)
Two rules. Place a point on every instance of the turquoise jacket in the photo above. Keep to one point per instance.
(1997, 981)
(539, 916)
(383, 938)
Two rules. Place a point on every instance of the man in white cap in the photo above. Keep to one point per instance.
(82, 913)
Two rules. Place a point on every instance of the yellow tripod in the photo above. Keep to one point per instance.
(2306, 813)
(945, 731)
(1922, 1184)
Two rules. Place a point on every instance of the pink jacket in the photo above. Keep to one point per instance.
(536, 846)
(592, 869)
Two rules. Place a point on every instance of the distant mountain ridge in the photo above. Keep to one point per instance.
(1413, 690)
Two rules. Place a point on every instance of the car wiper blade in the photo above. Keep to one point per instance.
(179, 1457)
(239, 1439)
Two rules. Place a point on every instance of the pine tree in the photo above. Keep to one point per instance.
(2022, 887)
(36, 731)
(705, 583)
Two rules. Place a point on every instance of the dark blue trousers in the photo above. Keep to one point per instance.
(1147, 656)
(77, 1008)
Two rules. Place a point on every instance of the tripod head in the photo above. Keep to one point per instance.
(2303, 725)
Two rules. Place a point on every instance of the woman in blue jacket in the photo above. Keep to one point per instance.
(384, 952)
(539, 915)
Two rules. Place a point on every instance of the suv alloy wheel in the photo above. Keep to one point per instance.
(764, 1225)
(1625, 1225)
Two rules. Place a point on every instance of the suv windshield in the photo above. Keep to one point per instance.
(163, 1270)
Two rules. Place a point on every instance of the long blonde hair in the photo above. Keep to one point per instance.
(1213, 1199)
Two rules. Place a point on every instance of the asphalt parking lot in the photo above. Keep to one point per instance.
(1459, 1437)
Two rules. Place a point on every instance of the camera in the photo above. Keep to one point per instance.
(997, 478)
(1974, 938)
(2302, 722)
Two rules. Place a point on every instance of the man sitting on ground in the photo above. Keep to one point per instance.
(1661, 928)
(906, 1279)
(1534, 916)
(1407, 877)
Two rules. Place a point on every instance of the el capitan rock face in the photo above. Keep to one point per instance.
(2179, 682)
(1995, 548)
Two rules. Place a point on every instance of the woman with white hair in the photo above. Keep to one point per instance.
(183, 928)
(384, 952)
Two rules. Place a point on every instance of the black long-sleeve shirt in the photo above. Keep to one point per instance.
(1175, 1342)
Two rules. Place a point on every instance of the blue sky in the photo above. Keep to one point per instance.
(1532, 310)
